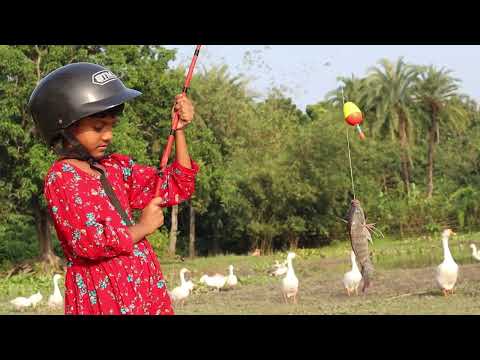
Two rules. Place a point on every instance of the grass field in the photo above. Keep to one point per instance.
(403, 283)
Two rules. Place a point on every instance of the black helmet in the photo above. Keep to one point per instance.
(73, 92)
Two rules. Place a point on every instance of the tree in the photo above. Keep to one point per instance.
(434, 89)
(24, 158)
(222, 108)
(266, 177)
(191, 233)
(392, 86)
(173, 231)
(205, 150)
(351, 89)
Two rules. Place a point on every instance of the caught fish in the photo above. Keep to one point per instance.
(359, 233)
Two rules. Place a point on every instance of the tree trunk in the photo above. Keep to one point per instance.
(266, 245)
(191, 243)
(432, 133)
(47, 256)
(173, 231)
(293, 241)
(404, 156)
(215, 246)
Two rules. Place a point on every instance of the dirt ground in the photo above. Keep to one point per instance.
(398, 291)
(393, 291)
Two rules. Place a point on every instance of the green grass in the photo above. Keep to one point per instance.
(403, 283)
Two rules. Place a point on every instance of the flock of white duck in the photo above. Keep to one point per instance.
(289, 284)
(446, 273)
(446, 277)
(55, 300)
(216, 281)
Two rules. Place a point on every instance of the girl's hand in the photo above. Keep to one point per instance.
(152, 216)
(185, 110)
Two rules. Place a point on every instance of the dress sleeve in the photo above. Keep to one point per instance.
(177, 183)
(79, 225)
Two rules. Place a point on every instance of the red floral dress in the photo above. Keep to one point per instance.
(106, 272)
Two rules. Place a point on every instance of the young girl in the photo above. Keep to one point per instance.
(111, 266)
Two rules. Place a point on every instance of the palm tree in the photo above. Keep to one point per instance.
(391, 89)
(356, 90)
(351, 89)
(435, 89)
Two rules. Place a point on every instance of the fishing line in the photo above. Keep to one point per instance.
(349, 154)
(350, 162)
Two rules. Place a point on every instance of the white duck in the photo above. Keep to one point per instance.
(280, 269)
(231, 279)
(475, 252)
(447, 271)
(290, 281)
(35, 298)
(189, 284)
(21, 302)
(56, 299)
(216, 281)
(352, 279)
(180, 293)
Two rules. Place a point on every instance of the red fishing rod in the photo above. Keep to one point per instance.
(175, 118)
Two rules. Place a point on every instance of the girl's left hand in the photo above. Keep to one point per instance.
(185, 110)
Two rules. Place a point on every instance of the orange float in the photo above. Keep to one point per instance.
(353, 116)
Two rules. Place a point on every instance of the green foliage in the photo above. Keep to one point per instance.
(270, 175)
(159, 241)
(25, 159)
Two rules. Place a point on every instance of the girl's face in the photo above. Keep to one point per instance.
(95, 133)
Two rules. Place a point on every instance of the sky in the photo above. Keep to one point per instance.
(306, 73)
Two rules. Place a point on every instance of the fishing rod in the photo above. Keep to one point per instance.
(175, 118)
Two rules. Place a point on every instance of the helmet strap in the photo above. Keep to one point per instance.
(78, 151)
(111, 194)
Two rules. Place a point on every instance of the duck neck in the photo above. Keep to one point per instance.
(182, 279)
(56, 289)
(231, 271)
(354, 263)
(474, 249)
(290, 270)
(446, 251)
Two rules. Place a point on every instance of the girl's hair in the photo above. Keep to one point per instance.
(114, 111)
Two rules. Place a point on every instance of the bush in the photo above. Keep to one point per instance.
(160, 241)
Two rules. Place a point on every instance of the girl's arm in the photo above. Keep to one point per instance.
(138, 232)
(178, 181)
(185, 110)
(151, 220)
(181, 150)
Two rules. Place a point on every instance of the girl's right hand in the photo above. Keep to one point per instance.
(152, 215)
(184, 107)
